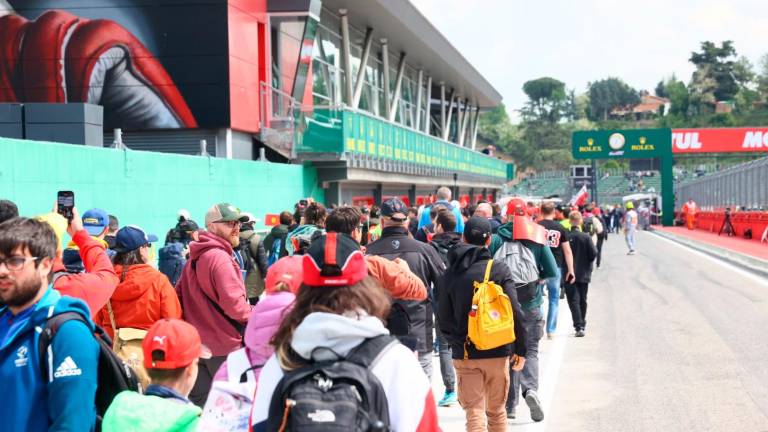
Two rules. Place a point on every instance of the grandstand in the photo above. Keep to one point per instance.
(611, 187)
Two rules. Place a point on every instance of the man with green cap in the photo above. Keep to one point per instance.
(212, 293)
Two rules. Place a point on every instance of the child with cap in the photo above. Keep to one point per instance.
(337, 308)
(229, 403)
(171, 351)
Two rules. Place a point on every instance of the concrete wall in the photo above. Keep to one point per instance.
(146, 188)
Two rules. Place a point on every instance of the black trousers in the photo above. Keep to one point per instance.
(600, 240)
(206, 370)
(577, 303)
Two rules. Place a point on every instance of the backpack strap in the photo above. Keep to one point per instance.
(238, 365)
(50, 329)
(58, 275)
(488, 271)
(371, 350)
(239, 327)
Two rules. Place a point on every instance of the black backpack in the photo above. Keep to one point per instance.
(114, 375)
(337, 394)
(171, 261)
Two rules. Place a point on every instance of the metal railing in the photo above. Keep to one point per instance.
(742, 186)
(278, 120)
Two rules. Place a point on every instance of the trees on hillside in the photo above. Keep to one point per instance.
(546, 100)
(608, 94)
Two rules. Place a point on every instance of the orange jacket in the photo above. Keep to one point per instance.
(97, 284)
(400, 284)
(144, 296)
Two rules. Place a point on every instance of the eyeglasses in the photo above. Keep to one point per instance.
(16, 263)
(230, 224)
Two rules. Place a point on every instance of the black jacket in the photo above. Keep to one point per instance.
(584, 254)
(454, 292)
(424, 262)
(444, 242)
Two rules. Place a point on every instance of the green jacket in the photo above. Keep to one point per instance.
(543, 255)
(131, 411)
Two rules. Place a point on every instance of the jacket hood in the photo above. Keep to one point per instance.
(138, 279)
(505, 231)
(463, 256)
(264, 320)
(52, 303)
(340, 333)
(447, 239)
(279, 230)
(208, 241)
(132, 411)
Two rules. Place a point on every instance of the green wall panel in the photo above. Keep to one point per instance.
(146, 188)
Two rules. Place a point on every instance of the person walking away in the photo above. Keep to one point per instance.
(172, 350)
(254, 256)
(584, 254)
(312, 227)
(8, 210)
(143, 296)
(94, 286)
(603, 236)
(557, 240)
(229, 403)
(65, 401)
(445, 239)
(411, 320)
(173, 256)
(274, 243)
(110, 237)
(483, 374)
(630, 227)
(486, 210)
(425, 233)
(96, 223)
(212, 293)
(444, 198)
(689, 213)
(522, 245)
(340, 298)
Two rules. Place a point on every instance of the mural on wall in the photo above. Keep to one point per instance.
(151, 64)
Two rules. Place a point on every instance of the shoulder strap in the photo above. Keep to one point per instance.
(238, 365)
(50, 329)
(488, 271)
(370, 351)
(239, 327)
(58, 275)
(112, 318)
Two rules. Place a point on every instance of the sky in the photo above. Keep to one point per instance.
(641, 42)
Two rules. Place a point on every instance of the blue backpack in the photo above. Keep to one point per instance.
(274, 252)
(171, 261)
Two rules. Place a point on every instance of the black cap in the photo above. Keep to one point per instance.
(395, 208)
(334, 259)
(477, 231)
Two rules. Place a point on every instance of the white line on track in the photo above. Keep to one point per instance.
(723, 263)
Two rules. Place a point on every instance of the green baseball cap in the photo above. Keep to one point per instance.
(224, 212)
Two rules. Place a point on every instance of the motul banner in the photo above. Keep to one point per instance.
(723, 140)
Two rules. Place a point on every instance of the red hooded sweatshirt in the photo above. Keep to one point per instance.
(97, 284)
(212, 275)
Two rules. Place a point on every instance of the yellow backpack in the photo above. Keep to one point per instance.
(491, 322)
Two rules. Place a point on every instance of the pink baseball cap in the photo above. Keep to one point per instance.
(287, 270)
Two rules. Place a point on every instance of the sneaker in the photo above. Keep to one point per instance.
(631, 252)
(580, 333)
(510, 413)
(550, 336)
(448, 399)
(532, 399)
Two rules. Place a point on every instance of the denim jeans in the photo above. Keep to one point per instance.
(446, 363)
(528, 378)
(553, 295)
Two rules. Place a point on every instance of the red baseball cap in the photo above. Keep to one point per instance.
(517, 207)
(288, 270)
(334, 260)
(176, 344)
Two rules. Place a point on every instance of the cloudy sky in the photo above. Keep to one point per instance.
(512, 41)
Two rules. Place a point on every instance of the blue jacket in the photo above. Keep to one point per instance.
(424, 220)
(66, 401)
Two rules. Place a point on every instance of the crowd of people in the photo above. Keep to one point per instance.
(330, 319)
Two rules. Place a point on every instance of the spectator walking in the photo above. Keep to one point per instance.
(274, 243)
(96, 223)
(425, 233)
(444, 198)
(254, 256)
(94, 286)
(486, 210)
(312, 227)
(584, 254)
(349, 306)
(483, 374)
(144, 295)
(557, 240)
(445, 239)
(413, 319)
(630, 227)
(8, 210)
(114, 226)
(212, 293)
(530, 261)
(65, 401)
(171, 350)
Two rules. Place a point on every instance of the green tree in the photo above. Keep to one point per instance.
(661, 89)
(762, 78)
(546, 100)
(719, 76)
(607, 94)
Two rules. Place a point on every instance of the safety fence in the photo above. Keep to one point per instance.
(741, 186)
(751, 223)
